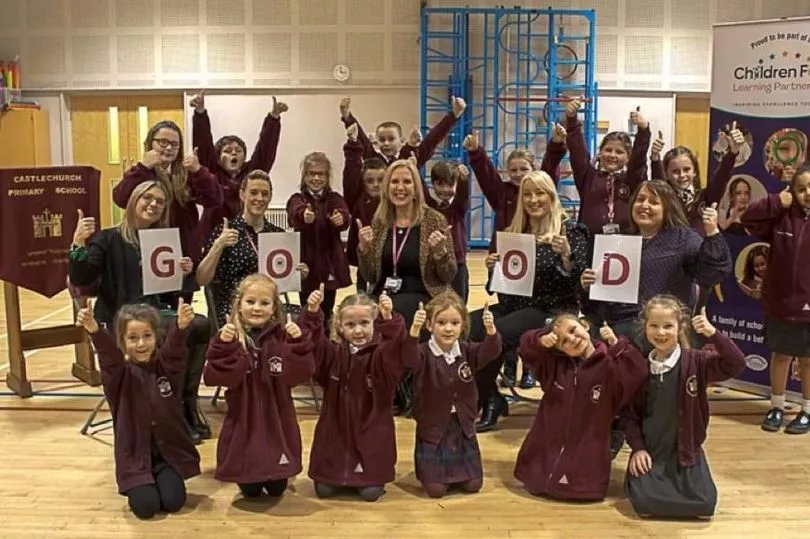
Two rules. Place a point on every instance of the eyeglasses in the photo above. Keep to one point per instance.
(152, 199)
(166, 143)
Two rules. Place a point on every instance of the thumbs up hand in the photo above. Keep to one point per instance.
(657, 147)
(185, 314)
(365, 235)
(85, 319)
(345, 106)
(785, 198)
(386, 306)
(415, 137)
(85, 227)
(710, 220)
(229, 236)
(459, 106)
(558, 133)
(292, 328)
(279, 108)
(191, 162)
(735, 138)
(419, 318)
(607, 335)
(309, 215)
(471, 141)
(572, 107)
(227, 333)
(198, 102)
(489, 320)
(560, 245)
(352, 132)
(152, 159)
(702, 325)
(438, 242)
(336, 219)
(315, 299)
(639, 120)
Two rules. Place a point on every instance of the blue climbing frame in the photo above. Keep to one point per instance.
(514, 67)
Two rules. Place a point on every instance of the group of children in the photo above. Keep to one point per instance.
(260, 353)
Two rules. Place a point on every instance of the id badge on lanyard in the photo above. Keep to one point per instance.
(610, 227)
(394, 284)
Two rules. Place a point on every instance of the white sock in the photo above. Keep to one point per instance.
(778, 401)
(806, 406)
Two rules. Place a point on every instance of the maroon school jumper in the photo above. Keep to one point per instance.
(354, 444)
(263, 158)
(456, 215)
(424, 151)
(698, 369)
(566, 453)
(786, 290)
(260, 439)
(203, 190)
(592, 185)
(704, 198)
(502, 195)
(145, 405)
(321, 247)
(361, 205)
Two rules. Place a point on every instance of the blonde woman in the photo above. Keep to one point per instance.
(561, 256)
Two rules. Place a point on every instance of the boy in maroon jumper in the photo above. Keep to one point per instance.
(450, 196)
(362, 180)
(354, 445)
(389, 135)
(226, 159)
(259, 359)
(154, 453)
(446, 397)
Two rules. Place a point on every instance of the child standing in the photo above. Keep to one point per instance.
(259, 359)
(446, 398)
(666, 421)
(320, 214)
(354, 445)
(782, 220)
(154, 453)
(566, 454)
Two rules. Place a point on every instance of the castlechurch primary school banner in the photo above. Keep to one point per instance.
(761, 80)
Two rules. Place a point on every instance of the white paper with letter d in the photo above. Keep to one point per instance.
(279, 256)
(617, 263)
(160, 260)
(514, 272)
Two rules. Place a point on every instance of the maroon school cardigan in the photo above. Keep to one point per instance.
(321, 246)
(263, 158)
(260, 439)
(145, 405)
(717, 362)
(439, 386)
(456, 215)
(786, 290)
(502, 195)
(592, 184)
(566, 453)
(356, 425)
(360, 204)
(203, 189)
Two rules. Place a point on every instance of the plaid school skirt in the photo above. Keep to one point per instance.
(455, 459)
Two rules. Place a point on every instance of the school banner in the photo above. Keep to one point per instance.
(761, 80)
(38, 214)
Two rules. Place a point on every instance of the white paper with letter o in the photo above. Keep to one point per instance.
(514, 272)
(617, 263)
(160, 260)
(279, 254)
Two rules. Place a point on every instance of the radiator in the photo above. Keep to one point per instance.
(277, 216)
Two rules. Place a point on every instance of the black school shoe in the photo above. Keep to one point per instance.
(773, 420)
(799, 425)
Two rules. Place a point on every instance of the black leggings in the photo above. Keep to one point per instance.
(254, 490)
(168, 492)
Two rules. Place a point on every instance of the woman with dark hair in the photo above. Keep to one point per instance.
(755, 270)
(739, 196)
(111, 262)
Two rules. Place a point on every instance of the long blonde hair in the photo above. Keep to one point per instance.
(127, 226)
(235, 317)
(175, 181)
(355, 300)
(385, 211)
(681, 311)
(556, 217)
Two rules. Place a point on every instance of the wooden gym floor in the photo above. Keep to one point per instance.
(58, 483)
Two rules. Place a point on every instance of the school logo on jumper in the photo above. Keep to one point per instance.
(692, 386)
(275, 366)
(624, 191)
(596, 392)
(465, 372)
(164, 387)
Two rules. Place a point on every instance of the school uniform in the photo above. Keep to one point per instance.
(668, 417)
(786, 290)
(150, 435)
(263, 158)
(354, 444)
(455, 211)
(566, 453)
(203, 190)
(446, 406)
(321, 246)
(502, 195)
(260, 441)
(361, 205)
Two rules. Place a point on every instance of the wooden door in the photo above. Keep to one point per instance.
(26, 140)
(692, 130)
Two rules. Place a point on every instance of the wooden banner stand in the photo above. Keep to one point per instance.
(20, 341)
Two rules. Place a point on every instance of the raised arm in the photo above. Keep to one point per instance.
(540, 358)
(110, 361)
(123, 190)
(488, 177)
(721, 359)
(555, 151)
(227, 362)
(708, 260)
(173, 352)
(762, 215)
(581, 166)
(204, 188)
(336, 204)
(629, 368)
(389, 359)
(324, 350)
(296, 206)
(352, 172)
(87, 263)
(637, 164)
(482, 353)
(203, 140)
(264, 154)
(348, 119)
(299, 357)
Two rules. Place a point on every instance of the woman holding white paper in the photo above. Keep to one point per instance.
(560, 257)
(109, 266)
(232, 250)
